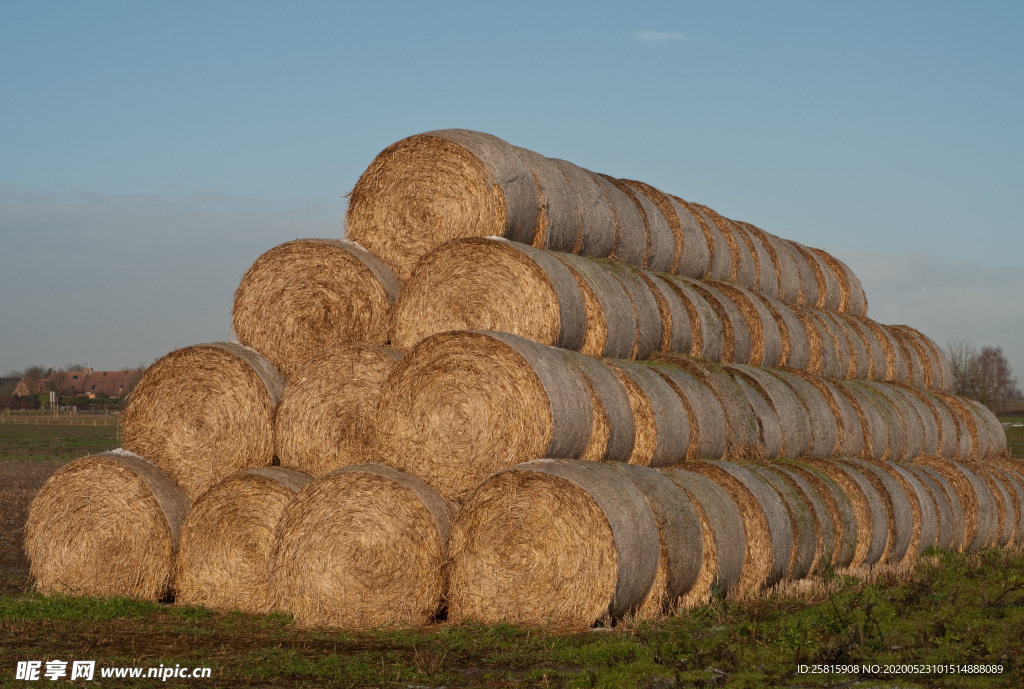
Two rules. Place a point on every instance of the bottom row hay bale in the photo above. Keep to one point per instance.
(806, 529)
(840, 516)
(363, 546)
(106, 525)
(724, 538)
(980, 519)
(949, 514)
(226, 541)
(1005, 519)
(872, 523)
(1014, 475)
(552, 543)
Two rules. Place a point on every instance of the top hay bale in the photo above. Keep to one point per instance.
(305, 296)
(203, 412)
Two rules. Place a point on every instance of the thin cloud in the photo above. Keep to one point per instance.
(658, 37)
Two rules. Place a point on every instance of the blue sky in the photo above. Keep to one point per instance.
(149, 153)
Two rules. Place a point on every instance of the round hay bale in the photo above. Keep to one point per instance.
(1013, 488)
(786, 273)
(960, 491)
(764, 262)
(630, 233)
(667, 208)
(593, 556)
(611, 321)
(841, 514)
(466, 404)
(491, 284)
(720, 259)
(226, 541)
(645, 307)
(873, 515)
(614, 432)
(802, 521)
(659, 417)
(695, 257)
(860, 357)
(922, 355)
(681, 535)
(824, 425)
(969, 427)
(895, 437)
(829, 291)
(940, 362)
(765, 338)
(950, 529)
(204, 412)
(836, 335)
(795, 344)
(325, 418)
(706, 328)
(906, 417)
(794, 421)
(743, 269)
(708, 434)
(822, 356)
(824, 532)
(743, 440)
(946, 442)
(808, 280)
(769, 534)
(304, 296)
(875, 443)
(931, 436)
(430, 188)
(767, 420)
(361, 547)
(596, 221)
(1006, 520)
(661, 241)
(888, 368)
(558, 218)
(1012, 472)
(723, 530)
(105, 525)
(998, 447)
(676, 332)
(852, 297)
(876, 361)
(915, 368)
(904, 530)
(851, 431)
(922, 507)
(736, 341)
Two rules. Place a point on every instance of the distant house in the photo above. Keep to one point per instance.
(87, 382)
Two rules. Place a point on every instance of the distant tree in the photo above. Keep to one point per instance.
(985, 376)
(961, 354)
(75, 367)
(60, 382)
(33, 377)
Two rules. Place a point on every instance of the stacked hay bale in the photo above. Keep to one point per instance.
(695, 406)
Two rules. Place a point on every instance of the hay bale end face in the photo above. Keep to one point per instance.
(204, 412)
(592, 556)
(223, 558)
(304, 296)
(325, 419)
(106, 525)
(466, 404)
(361, 547)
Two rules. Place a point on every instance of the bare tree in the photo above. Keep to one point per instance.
(59, 382)
(985, 376)
(961, 354)
(33, 377)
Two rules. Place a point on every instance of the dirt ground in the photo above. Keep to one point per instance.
(19, 483)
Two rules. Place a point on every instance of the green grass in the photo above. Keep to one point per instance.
(953, 608)
(1015, 435)
(31, 443)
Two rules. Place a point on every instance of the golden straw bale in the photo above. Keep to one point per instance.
(786, 272)
(597, 222)
(611, 320)
(630, 244)
(859, 356)
(894, 438)
(614, 432)
(909, 418)
(558, 218)
(851, 430)
(680, 533)
(873, 516)
(736, 340)
(105, 525)
(768, 421)
(661, 241)
(802, 520)
(839, 519)
(940, 362)
(769, 532)
(824, 424)
(695, 258)
(931, 434)
(708, 434)
(594, 554)
(897, 509)
(430, 188)
(659, 417)
(765, 338)
(961, 493)
(706, 328)
(724, 537)
(922, 508)
(794, 421)
(326, 415)
(980, 512)
(361, 547)
(852, 297)
(930, 373)
(304, 296)
(204, 412)
(1006, 518)
(829, 290)
(897, 366)
(743, 269)
(224, 555)
(465, 404)
(874, 425)
(720, 259)
(645, 308)
(743, 439)
(946, 428)
(491, 284)
(667, 207)
(835, 336)
(950, 529)
(795, 349)
(827, 536)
